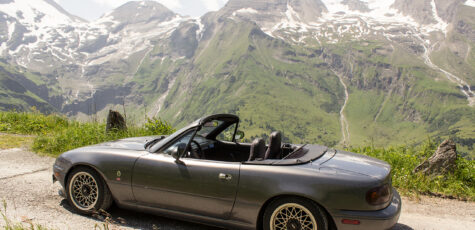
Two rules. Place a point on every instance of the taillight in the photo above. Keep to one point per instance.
(379, 195)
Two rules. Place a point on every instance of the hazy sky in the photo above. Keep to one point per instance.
(93, 9)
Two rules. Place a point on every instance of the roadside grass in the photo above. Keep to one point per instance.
(56, 134)
(8, 141)
(460, 184)
(9, 224)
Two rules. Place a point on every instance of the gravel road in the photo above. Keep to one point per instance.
(26, 186)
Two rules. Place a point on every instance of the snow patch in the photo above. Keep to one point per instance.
(245, 11)
(39, 13)
(199, 32)
(11, 29)
(441, 25)
(470, 3)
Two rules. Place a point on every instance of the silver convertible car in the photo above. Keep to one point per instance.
(201, 173)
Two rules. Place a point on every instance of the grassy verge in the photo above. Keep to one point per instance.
(460, 184)
(15, 141)
(56, 134)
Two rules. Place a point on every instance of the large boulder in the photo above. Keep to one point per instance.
(443, 160)
(115, 121)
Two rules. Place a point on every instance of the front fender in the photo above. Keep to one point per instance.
(114, 165)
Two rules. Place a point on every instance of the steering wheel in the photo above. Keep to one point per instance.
(197, 154)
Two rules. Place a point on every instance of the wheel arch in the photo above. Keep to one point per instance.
(331, 222)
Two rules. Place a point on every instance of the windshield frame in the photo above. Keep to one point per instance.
(228, 119)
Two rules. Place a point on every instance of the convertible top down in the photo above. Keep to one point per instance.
(201, 173)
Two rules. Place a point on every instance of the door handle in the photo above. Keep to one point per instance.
(223, 176)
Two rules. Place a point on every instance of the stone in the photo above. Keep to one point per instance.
(442, 161)
(115, 121)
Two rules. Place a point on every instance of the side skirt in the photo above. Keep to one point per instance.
(185, 216)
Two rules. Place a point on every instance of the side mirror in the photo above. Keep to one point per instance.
(239, 135)
(179, 149)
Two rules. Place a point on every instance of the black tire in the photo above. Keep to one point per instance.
(276, 209)
(82, 199)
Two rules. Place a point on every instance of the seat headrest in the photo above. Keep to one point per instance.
(258, 149)
(274, 149)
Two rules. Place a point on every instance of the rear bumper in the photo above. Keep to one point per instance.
(369, 220)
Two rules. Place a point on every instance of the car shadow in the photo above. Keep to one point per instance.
(138, 220)
(401, 227)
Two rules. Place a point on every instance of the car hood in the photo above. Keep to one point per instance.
(134, 143)
(356, 163)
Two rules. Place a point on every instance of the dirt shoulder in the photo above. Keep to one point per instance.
(26, 186)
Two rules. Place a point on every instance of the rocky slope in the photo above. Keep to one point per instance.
(322, 71)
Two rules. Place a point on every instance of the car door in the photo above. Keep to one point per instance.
(197, 186)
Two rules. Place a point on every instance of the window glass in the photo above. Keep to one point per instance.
(182, 140)
(227, 134)
(209, 127)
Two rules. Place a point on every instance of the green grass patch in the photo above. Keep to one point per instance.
(56, 134)
(8, 141)
(459, 184)
(31, 123)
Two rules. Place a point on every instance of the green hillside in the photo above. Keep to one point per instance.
(394, 97)
(14, 92)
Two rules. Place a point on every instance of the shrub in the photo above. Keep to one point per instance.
(156, 126)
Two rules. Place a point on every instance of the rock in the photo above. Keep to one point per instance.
(443, 160)
(115, 121)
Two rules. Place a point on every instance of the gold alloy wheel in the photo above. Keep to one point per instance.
(83, 191)
(292, 216)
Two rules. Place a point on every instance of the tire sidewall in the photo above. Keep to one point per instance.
(317, 212)
(100, 186)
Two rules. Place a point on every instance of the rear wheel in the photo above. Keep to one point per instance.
(294, 214)
(86, 191)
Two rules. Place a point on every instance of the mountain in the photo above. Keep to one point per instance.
(85, 58)
(336, 72)
(19, 90)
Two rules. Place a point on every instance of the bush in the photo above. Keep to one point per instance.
(156, 126)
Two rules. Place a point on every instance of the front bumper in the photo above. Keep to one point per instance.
(369, 220)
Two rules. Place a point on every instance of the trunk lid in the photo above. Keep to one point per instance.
(357, 163)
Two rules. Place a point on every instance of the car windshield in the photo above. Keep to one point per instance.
(154, 147)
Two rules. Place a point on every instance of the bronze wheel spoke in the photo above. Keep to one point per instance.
(84, 190)
(294, 214)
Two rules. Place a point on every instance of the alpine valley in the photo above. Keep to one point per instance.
(333, 72)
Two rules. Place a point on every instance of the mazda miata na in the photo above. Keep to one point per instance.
(202, 173)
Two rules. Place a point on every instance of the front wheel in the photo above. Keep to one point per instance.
(294, 214)
(87, 192)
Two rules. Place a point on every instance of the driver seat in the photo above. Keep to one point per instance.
(258, 149)
(274, 149)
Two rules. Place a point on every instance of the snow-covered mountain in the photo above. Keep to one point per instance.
(42, 37)
(418, 24)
